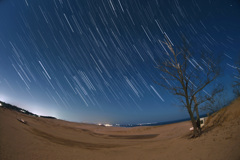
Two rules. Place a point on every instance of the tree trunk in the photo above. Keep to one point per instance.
(196, 107)
(197, 113)
(195, 132)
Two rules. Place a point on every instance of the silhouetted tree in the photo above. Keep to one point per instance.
(213, 101)
(186, 76)
(236, 83)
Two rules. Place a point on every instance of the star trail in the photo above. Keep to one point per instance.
(95, 60)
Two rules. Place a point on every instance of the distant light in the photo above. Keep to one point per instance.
(107, 125)
(0, 104)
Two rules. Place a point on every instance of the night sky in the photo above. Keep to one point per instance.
(95, 60)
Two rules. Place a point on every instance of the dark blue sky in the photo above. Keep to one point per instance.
(94, 60)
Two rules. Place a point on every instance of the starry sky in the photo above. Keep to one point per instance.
(95, 61)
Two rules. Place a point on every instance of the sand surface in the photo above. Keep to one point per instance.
(52, 139)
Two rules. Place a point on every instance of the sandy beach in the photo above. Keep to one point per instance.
(43, 138)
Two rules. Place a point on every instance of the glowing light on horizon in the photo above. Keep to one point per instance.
(4, 98)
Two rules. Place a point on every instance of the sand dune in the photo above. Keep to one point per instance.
(52, 139)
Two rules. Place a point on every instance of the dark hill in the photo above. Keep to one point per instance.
(18, 109)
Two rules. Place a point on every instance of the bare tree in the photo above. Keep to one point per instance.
(186, 75)
(212, 101)
(236, 83)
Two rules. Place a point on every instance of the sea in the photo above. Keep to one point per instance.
(155, 123)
